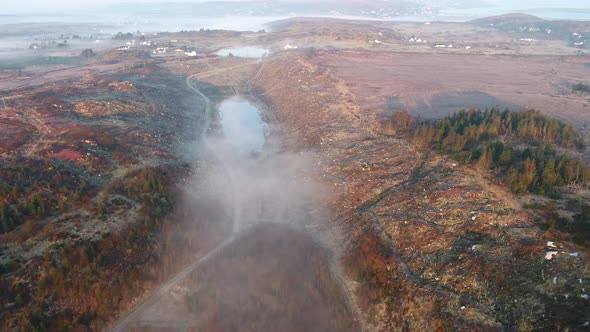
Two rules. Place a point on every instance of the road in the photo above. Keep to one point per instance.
(163, 289)
(237, 207)
(160, 292)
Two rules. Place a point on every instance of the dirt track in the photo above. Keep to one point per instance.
(144, 315)
(165, 288)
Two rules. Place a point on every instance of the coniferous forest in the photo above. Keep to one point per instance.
(526, 151)
(529, 151)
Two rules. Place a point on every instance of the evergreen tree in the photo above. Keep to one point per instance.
(5, 188)
(15, 190)
(548, 176)
(505, 158)
(4, 223)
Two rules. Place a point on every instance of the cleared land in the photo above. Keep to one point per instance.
(403, 238)
(415, 222)
(425, 84)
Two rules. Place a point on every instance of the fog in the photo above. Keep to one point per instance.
(259, 181)
(71, 10)
(266, 200)
(269, 189)
(31, 20)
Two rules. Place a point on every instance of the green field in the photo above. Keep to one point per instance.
(26, 61)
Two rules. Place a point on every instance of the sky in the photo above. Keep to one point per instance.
(34, 6)
(24, 6)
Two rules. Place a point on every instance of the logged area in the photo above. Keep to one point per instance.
(325, 175)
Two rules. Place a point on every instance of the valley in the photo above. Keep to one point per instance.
(220, 180)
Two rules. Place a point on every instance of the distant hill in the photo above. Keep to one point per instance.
(511, 18)
(576, 33)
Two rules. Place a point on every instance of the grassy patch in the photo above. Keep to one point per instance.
(580, 87)
(27, 61)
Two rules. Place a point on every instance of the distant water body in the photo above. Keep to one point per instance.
(242, 125)
(154, 22)
(18, 31)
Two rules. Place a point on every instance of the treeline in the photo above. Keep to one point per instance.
(530, 163)
(521, 149)
(123, 36)
(537, 169)
(468, 129)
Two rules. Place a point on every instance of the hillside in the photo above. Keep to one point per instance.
(428, 244)
(514, 18)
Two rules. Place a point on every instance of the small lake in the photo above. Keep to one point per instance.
(242, 125)
(244, 52)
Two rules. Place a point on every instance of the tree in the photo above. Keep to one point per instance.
(36, 206)
(15, 190)
(485, 159)
(505, 158)
(402, 121)
(524, 177)
(5, 188)
(4, 222)
(87, 53)
(548, 176)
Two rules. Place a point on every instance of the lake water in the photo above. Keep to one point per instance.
(244, 52)
(242, 125)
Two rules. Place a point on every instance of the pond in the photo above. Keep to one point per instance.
(244, 52)
(242, 125)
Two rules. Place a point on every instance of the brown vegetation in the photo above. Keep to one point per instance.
(87, 223)
(431, 245)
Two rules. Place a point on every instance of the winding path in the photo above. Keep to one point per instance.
(163, 289)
